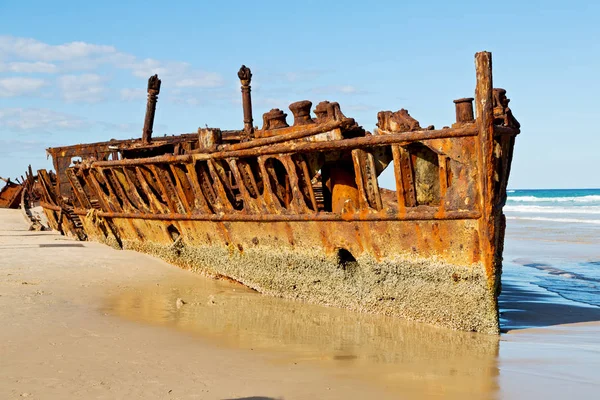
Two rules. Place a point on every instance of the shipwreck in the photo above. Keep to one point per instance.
(295, 209)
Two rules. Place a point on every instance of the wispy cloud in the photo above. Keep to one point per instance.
(131, 94)
(337, 89)
(178, 74)
(10, 147)
(296, 76)
(359, 107)
(201, 79)
(31, 49)
(38, 119)
(87, 88)
(19, 86)
(45, 120)
(68, 60)
(29, 67)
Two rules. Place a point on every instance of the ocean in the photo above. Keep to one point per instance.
(552, 247)
(572, 206)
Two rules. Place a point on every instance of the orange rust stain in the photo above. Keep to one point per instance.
(358, 237)
(327, 245)
(436, 238)
(134, 229)
(419, 237)
(224, 232)
(344, 189)
(289, 233)
(476, 248)
(369, 243)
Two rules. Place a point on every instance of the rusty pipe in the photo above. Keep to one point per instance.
(153, 91)
(464, 110)
(245, 76)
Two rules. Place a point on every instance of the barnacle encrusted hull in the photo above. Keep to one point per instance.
(299, 212)
(297, 260)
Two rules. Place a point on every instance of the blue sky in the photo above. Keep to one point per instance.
(73, 72)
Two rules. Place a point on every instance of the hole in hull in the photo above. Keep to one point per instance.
(173, 232)
(346, 260)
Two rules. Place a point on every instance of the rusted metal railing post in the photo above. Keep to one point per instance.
(245, 76)
(153, 91)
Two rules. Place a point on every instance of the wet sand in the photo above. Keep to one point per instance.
(81, 320)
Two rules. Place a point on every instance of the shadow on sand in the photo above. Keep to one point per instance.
(521, 308)
(255, 398)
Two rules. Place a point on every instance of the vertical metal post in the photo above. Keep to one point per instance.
(245, 76)
(485, 119)
(153, 91)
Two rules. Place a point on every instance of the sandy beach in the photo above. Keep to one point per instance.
(82, 320)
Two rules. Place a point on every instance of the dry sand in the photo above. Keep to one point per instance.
(81, 320)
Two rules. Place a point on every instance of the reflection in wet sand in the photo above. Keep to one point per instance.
(395, 354)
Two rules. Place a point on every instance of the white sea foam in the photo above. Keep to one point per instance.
(564, 220)
(575, 199)
(552, 209)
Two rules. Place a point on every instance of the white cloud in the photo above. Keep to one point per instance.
(18, 86)
(29, 67)
(358, 107)
(25, 56)
(272, 102)
(347, 89)
(28, 120)
(201, 79)
(133, 128)
(340, 89)
(86, 88)
(187, 100)
(11, 147)
(31, 49)
(129, 94)
(145, 68)
(38, 119)
(177, 74)
(307, 75)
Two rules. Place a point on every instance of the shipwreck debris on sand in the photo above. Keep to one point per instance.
(295, 209)
(10, 194)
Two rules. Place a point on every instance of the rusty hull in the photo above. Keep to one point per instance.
(10, 194)
(297, 211)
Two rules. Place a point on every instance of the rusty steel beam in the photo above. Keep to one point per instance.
(52, 206)
(491, 223)
(284, 135)
(305, 147)
(346, 144)
(118, 145)
(415, 215)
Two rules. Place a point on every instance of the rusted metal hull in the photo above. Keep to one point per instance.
(298, 212)
(10, 195)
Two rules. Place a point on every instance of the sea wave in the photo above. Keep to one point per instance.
(552, 209)
(576, 199)
(559, 272)
(564, 220)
